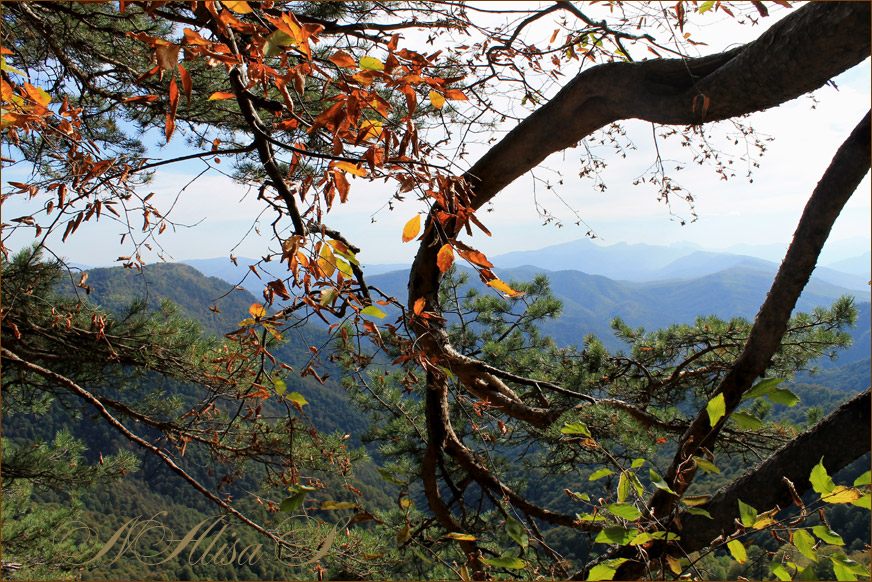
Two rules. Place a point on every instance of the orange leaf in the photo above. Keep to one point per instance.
(257, 310)
(342, 185)
(455, 95)
(445, 257)
(240, 7)
(412, 228)
(350, 168)
(343, 59)
(141, 99)
(476, 258)
(437, 100)
(170, 126)
(419, 306)
(187, 85)
(217, 95)
(503, 288)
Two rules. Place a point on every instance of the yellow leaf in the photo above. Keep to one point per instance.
(412, 228)
(240, 7)
(327, 261)
(419, 306)
(372, 128)
(257, 310)
(460, 536)
(371, 64)
(842, 494)
(218, 95)
(437, 100)
(350, 168)
(503, 288)
(445, 257)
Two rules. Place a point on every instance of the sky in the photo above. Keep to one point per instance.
(806, 134)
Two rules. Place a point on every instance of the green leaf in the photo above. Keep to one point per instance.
(374, 311)
(606, 570)
(782, 396)
(517, 532)
(404, 534)
(698, 511)
(746, 421)
(716, 409)
(505, 562)
(280, 386)
(695, 499)
(738, 551)
(4, 66)
(820, 480)
(297, 399)
(762, 387)
(706, 6)
(807, 574)
(658, 482)
(575, 428)
(293, 502)
(275, 43)
(637, 485)
(623, 487)
(599, 474)
(344, 268)
(624, 510)
(706, 465)
(328, 295)
(371, 64)
(805, 544)
(863, 479)
(329, 505)
(828, 535)
(390, 477)
(849, 565)
(589, 517)
(780, 572)
(616, 535)
(646, 536)
(865, 501)
(637, 463)
(462, 537)
(747, 514)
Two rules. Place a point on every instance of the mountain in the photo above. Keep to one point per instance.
(859, 265)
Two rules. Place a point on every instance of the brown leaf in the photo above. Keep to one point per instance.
(167, 56)
(445, 257)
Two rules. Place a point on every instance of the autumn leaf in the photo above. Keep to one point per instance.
(445, 257)
(419, 306)
(186, 82)
(257, 310)
(412, 228)
(218, 95)
(437, 100)
(350, 168)
(343, 59)
(327, 261)
(371, 64)
(504, 288)
(167, 56)
(455, 95)
(240, 7)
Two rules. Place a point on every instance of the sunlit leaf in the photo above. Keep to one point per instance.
(280, 386)
(328, 295)
(738, 551)
(463, 537)
(373, 311)
(864, 479)
(575, 428)
(371, 64)
(605, 570)
(419, 306)
(716, 409)
(762, 387)
(782, 396)
(658, 482)
(780, 572)
(706, 6)
(864, 501)
(695, 499)
(437, 100)
(276, 43)
(600, 473)
(706, 465)
(218, 95)
(343, 59)
(455, 95)
(747, 514)
(502, 287)
(238, 6)
(746, 421)
(624, 510)
(616, 535)
(637, 463)
(820, 479)
(698, 511)
(445, 257)
(646, 536)
(623, 487)
(828, 535)
(804, 543)
(297, 399)
(505, 562)
(257, 310)
(412, 228)
(842, 494)
(326, 261)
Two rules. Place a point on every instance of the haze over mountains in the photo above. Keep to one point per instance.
(646, 285)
